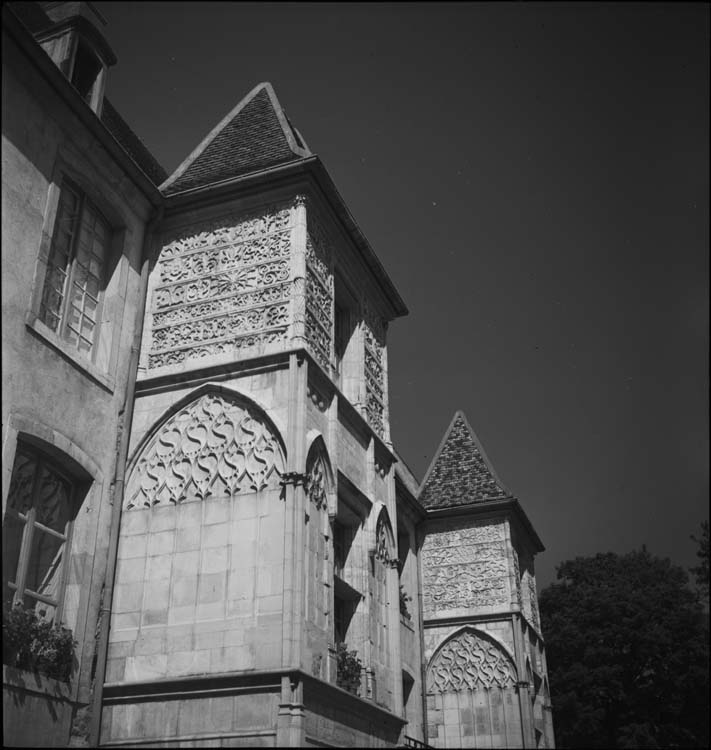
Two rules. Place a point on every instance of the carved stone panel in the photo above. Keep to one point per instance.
(316, 485)
(374, 337)
(529, 596)
(221, 288)
(212, 446)
(464, 568)
(319, 292)
(469, 661)
(383, 542)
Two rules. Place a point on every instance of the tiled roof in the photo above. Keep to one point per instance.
(255, 135)
(460, 472)
(131, 143)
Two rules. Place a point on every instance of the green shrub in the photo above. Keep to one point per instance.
(32, 643)
(348, 669)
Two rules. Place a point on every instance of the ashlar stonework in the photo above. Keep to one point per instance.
(226, 513)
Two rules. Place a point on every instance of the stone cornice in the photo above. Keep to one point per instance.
(320, 181)
(509, 507)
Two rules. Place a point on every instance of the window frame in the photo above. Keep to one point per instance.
(29, 524)
(84, 204)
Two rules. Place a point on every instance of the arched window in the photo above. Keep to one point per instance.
(41, 507)
(471, 691)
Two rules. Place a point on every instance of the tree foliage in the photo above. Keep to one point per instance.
(701, 571)
(627, 651)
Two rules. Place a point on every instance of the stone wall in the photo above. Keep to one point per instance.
(472, 693)
(200, 558)
(37, 711)
(234, 719)
(64, 401)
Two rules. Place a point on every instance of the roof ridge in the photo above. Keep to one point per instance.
(292, 138)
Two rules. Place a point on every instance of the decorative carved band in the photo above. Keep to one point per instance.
(222, 289)
(319, 292)
(469, 662)
(464, 568)
(213, 446)
(374, 337)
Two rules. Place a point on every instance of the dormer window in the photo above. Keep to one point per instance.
(71, 34)
(85, 73)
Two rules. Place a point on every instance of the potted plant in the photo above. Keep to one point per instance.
(348, 669)
(35, 644)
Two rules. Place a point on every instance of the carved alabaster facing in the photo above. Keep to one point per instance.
(529, 596)
(374, 338)
(464, 568)
(469, 662)
(319, 292)
(213, 446)
(222, 289)
(316, 483)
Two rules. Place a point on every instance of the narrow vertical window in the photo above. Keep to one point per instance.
(36, 533)
(75, 270)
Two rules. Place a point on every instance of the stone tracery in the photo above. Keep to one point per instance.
(469, 662)
(212, 446)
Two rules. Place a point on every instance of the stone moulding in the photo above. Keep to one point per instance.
(212, 446)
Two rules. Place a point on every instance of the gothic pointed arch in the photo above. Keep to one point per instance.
(214, 442)
(319, 474)
(385, 549)
(470, 660)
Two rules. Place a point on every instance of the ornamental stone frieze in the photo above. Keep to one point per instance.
(222, 289)
(319, 292)
(464, 568)
(213, 446)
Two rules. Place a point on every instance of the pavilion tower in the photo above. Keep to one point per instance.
(486, 679)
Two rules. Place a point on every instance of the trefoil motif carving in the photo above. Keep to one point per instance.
(212, 446)
(469, 662)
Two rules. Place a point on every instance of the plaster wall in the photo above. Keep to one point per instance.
(51, 393)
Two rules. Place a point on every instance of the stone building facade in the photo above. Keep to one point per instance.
(198, 473)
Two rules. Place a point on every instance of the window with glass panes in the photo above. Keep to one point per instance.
(36, 533)
(75, 270)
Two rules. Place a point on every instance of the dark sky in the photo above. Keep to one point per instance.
(535, 179)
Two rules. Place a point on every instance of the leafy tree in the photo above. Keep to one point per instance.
(627, 650)
(701, 571)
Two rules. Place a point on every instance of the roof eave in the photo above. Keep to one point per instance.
(489, 507)
(29, 46)
(310, 165)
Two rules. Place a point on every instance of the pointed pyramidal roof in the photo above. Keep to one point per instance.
(460, 472)
(255, 135)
